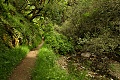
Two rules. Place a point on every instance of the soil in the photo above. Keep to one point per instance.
(23, 70)
(105, 67)
(98, 67)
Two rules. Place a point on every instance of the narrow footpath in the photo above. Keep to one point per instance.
(23, 70)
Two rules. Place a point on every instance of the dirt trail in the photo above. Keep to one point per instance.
(23, 70)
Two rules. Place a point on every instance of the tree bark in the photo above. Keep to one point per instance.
(35, 14)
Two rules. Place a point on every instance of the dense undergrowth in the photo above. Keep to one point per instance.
(10, 58)
(17, 37)
(90, 26)
(59, 43)
(94, 26)
(46, 67)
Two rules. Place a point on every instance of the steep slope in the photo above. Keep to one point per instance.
(17, 37)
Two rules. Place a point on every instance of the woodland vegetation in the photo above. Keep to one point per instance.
(86, 32)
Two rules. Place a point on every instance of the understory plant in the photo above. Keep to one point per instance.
(59, 43)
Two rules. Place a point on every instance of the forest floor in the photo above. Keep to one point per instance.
(97, 67)
(23, 70)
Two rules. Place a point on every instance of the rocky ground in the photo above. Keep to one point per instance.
(98, 67)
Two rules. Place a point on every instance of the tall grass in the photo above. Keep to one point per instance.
(46, 67)
(9, 59)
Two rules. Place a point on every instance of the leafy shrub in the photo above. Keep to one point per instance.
(58, 43)
(94, 26)
(99, 45)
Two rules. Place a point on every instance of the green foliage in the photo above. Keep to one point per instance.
(9, 58)
(59, 43)
(46, 67)
(17, 27)
(115, 67)
(56, 11)
(76, 73)
(98, 45)
(94, 25)
(17, 36)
